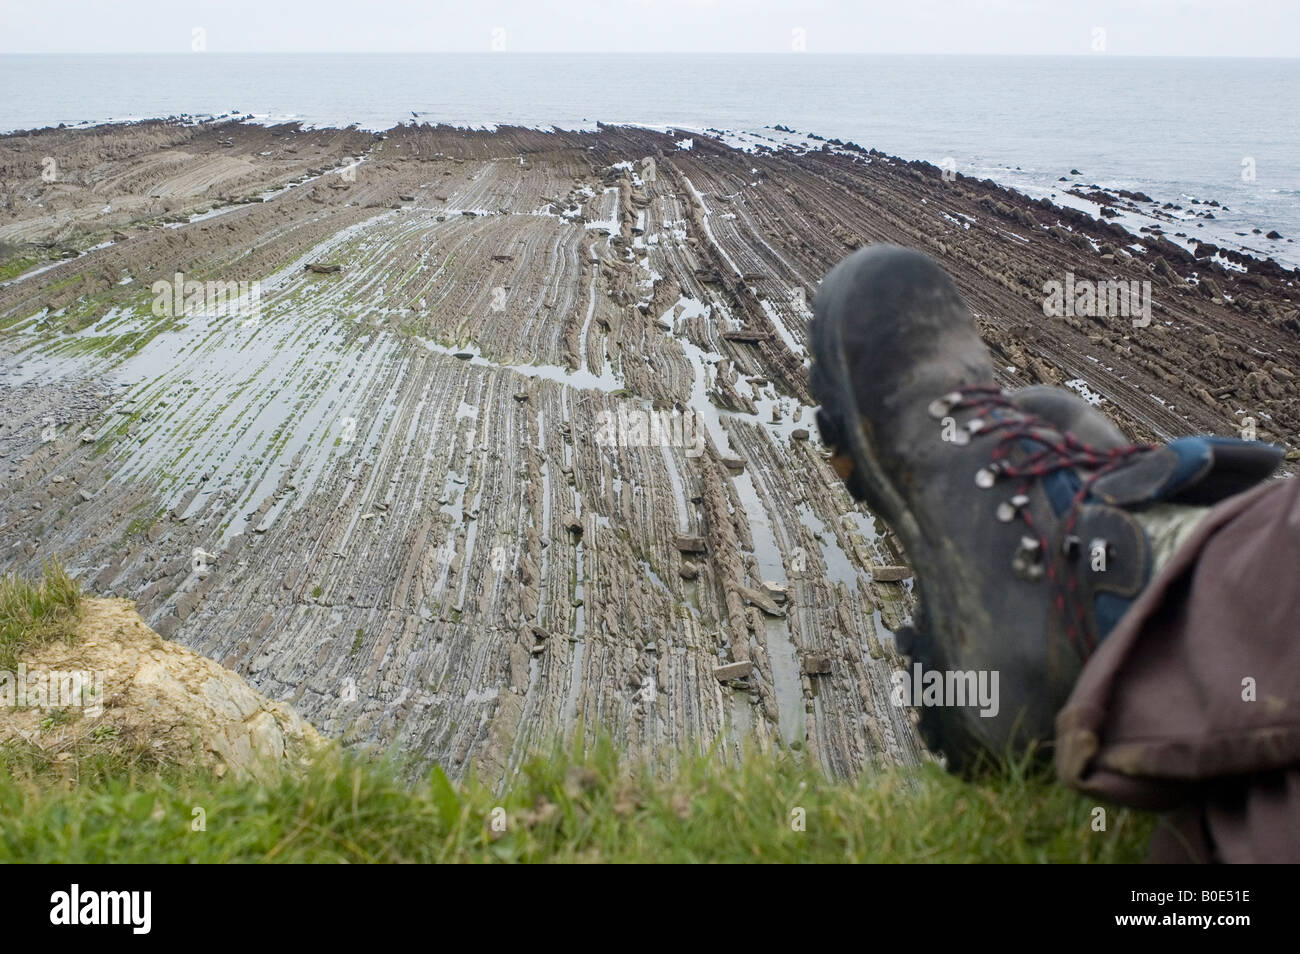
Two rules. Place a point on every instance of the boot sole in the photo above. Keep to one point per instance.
(867, 482)
(832, 387)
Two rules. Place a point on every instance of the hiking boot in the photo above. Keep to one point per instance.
(1022, 515)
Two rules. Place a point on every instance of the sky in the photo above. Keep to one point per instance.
(1085, 27)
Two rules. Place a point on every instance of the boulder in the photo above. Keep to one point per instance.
(736, 670)
(890, 574)
(761, 600)
(816, 665)
(690, 544)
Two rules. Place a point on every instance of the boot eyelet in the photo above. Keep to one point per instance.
(1008, 509)
(986, 477)
(940, 407)
(1028, 561)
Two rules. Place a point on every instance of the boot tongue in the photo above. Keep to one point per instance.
(1191, 470)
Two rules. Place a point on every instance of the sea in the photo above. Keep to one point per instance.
(1175, 128)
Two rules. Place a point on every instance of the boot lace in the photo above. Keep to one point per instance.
(1057, 451)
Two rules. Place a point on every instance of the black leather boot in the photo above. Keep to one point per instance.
(1020, 514)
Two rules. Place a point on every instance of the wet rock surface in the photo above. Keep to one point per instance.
(539, 453)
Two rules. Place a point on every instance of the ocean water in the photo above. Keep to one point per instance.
(1175, 128)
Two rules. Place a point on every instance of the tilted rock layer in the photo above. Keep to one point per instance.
(540, 452)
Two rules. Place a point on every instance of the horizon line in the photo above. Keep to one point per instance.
(789, 53)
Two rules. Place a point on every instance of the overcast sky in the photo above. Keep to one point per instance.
(1141, 27)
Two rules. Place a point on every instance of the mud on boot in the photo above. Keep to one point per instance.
(1022, 514)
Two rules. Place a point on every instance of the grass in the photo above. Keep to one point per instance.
(105, 806)
(35, 613)
(110, 798)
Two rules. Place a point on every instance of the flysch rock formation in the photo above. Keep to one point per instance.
(539, 452)
(166, 699)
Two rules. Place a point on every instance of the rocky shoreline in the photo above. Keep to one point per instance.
(538, 452)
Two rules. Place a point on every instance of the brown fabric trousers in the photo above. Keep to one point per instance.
(1191, 705)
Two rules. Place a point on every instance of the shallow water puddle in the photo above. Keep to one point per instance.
(839, 568)
(607, 381)
(781, 652)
